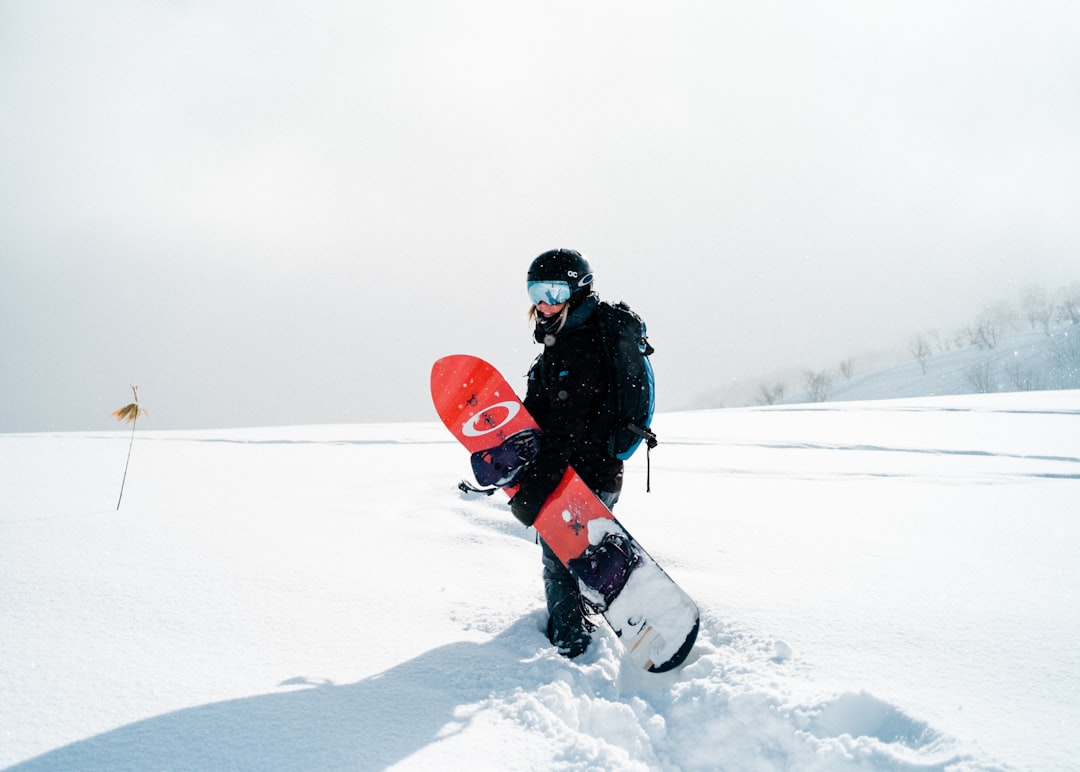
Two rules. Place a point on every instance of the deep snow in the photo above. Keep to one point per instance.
(884, 585)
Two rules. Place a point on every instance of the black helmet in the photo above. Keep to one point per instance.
(559, 267)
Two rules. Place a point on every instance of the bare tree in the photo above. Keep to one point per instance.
(980, 376)
(1065, 351)
(1023, 378)
(1038, 309)
(1069, 309)
(943, 345)
(991, 323)
(920, 349)
(847, 368)
(770, 395)
(818, 385)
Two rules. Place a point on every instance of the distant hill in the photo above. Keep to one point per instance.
(1020, 361)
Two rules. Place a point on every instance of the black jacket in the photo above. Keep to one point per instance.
(566, 392)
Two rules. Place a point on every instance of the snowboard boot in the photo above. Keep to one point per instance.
(567, 628)
(571, 643)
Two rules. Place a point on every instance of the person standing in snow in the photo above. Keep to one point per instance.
(566, 392)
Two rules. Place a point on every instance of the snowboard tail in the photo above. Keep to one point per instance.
(654, 618)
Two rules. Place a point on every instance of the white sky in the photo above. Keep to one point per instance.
(275, 213)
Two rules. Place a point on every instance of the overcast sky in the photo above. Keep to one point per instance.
(274, 213)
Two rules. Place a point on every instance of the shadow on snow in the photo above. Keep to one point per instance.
(371, 724)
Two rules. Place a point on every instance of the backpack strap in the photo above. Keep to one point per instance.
(649, 437)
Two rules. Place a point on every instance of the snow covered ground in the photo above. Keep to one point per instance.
(884, 585)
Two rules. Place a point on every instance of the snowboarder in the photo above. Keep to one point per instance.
(566, 392)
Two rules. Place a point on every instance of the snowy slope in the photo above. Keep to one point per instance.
(1023, 361)
(884, 585)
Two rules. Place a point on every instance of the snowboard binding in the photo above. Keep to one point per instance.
(506, 464)
(604, 568)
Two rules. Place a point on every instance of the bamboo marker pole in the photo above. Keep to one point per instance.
(129, 413)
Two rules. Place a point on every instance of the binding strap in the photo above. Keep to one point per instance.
(468, 488)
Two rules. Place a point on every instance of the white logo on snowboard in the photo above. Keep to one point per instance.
(470, 429)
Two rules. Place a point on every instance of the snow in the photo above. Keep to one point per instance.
(885, 584)
(1024, 361)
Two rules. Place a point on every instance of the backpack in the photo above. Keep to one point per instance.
(628, 410)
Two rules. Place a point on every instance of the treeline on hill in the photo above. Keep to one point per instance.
(1056, 365)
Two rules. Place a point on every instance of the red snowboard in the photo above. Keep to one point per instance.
(654, 618)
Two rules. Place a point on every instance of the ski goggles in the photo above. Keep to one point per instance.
(550, 292)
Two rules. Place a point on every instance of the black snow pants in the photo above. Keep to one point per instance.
(567, 627)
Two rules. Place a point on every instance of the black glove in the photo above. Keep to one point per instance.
(527, 501)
